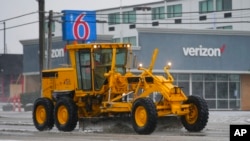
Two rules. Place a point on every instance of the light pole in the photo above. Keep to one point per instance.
(41, 33)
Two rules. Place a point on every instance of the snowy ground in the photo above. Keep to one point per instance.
(218, 120)
(18, 126)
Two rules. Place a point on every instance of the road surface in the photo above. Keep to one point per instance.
(18, 126)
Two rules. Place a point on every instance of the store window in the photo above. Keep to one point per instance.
(206, 6)
(234, 91)
(182, 80)
(222, 104)
(223, 5)
(210, 90)
(129, 17)
(210, 77)
(174, 10)
(114, 18)
(221, 91)
(158, 13)
(197, 85)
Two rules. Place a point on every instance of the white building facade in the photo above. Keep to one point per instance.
(180, 14)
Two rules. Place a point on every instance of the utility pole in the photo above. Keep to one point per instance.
(50, 38)
(41, 38)
(41, 33)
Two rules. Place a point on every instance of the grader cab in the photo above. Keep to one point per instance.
(99, 83)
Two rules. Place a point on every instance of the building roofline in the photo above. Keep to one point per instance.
(193, 31)
(35, 41)
(129, 6)
(59, 38)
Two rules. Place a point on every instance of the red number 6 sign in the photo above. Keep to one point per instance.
(79, 22)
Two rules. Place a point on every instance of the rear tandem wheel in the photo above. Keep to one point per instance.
(43, 114)
(66, 117)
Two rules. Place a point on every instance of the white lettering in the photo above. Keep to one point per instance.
(200, 51)
(192, 52)
(186, 51)
(239, 132)
(56, 53)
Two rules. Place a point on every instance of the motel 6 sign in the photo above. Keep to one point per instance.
(79, 25)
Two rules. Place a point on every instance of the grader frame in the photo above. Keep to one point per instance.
(99, 83)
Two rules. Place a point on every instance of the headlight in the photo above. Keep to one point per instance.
(140, 66)
(97, 46)
(169, 64)
(127, 45)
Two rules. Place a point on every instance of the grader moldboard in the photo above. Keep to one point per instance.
(99, 83)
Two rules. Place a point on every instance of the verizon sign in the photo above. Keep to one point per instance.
(203, 51)
(55, 53)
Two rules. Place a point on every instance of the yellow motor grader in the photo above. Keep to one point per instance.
(99, 83)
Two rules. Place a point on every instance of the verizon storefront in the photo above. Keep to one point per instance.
(212, 64)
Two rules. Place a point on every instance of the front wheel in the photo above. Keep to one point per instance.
(66, 114)
(197, 118)
(144, 116)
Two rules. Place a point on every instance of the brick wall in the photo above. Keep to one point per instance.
(245, 92)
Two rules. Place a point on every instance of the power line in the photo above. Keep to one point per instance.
(161, 21)
(191, 18)
(208, 12)
(118, 13)
(19, 25)
(165, 19)
(202, 23)
(17, 17)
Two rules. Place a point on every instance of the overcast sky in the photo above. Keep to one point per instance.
(15, 8)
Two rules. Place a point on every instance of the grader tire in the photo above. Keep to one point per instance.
(144, 116)
(66, 114)
(43, 114)
(197, 119)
